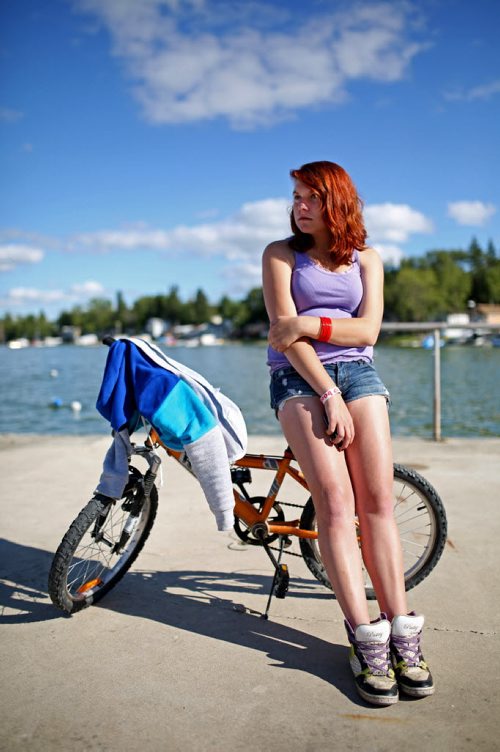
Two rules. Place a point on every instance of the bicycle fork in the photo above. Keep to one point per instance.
(142, 494)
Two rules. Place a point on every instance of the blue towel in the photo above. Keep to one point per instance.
(133, 386)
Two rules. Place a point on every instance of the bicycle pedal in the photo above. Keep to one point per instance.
(282, 580)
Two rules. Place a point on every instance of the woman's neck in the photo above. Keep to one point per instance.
(323, 244)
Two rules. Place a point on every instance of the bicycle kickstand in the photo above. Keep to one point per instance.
(281, 579)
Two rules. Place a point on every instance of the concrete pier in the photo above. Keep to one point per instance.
(177, 657)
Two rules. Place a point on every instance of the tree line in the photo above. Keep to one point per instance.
(424, 288)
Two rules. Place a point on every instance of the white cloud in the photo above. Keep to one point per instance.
(391, 255)
(481, 92)
(21, 295)
(87, 289)
(251, 63)
(105, 241)
(77, 293)
(238, 239)
(243, 276)
(394, 222)
(470, 212)
(13, 254)
(8, 115)
(242, 235)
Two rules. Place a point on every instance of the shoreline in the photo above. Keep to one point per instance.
(16, 437)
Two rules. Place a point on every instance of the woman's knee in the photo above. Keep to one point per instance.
(379, 504)
(334, 506)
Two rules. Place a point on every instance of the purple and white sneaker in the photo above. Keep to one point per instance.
(370, 661)
(412, 672)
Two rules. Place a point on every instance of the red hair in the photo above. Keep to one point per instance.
(342, 209)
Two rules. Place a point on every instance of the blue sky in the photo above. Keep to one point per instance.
(147, 143)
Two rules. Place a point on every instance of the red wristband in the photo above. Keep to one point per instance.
(325, 329)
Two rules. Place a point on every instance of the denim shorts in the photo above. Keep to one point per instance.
(354, 378)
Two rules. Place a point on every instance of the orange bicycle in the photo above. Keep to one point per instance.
(107, 536)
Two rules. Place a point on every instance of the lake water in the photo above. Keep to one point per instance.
(34, 378)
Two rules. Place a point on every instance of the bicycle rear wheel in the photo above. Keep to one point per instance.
(421, 520)
(94, 555)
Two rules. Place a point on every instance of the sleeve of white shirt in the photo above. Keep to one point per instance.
(208, 458)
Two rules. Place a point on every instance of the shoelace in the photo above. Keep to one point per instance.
(408, 648)
(376, 657)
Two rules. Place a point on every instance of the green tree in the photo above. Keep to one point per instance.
(13, 328)
(254, 302)
(141, 312)
(228, 309)
(494, 283)
(414, 295)
(202, 310)
(479, 270)
(491, 254)
(173, 306)
(99, 317)
(454, 283)
(75, 317)
(43, 327)
(493, 273)
(122, 318)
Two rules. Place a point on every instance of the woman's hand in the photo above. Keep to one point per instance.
(339, 422)
(284, 331)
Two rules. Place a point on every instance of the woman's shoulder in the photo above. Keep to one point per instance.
(369, 258)
(279, 249)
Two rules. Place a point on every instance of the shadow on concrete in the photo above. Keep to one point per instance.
(187, 600)
(24, 573)
(23, 584)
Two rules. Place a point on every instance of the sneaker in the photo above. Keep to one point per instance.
(370, 661)
(412, 673)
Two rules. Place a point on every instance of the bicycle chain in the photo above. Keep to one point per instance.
(289, 553)
(297, 506)
(289, 504)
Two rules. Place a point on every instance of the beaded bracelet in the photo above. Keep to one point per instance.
(325, 329)
(329, 393)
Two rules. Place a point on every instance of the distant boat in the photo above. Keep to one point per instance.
(18, 344)
(52, 341)
(208, 339)
(87, 340)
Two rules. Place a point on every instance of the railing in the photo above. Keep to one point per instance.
(436, 327)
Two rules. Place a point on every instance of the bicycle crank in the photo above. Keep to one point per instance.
(257, 534)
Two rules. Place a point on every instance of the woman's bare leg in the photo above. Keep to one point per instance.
(325, 470)
(369, 459)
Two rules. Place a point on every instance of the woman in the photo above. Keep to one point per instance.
(323, 290)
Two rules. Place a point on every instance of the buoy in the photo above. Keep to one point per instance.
(56, 402)
(54, 373)
(76, 406)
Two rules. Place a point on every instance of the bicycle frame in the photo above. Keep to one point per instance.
(243, 509)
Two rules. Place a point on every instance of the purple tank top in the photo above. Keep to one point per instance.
(318, 292)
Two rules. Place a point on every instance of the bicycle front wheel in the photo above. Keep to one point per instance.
(90, 560)
(421, 520)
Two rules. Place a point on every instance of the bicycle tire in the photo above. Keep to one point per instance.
(83, 569)
(421, 520)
